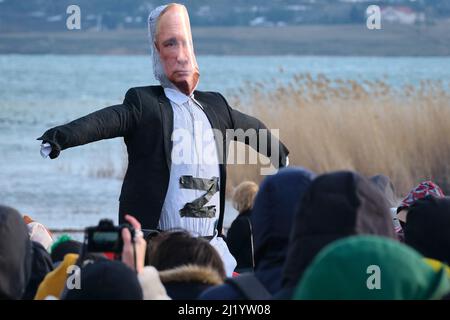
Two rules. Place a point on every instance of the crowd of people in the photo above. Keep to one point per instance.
(298, 235)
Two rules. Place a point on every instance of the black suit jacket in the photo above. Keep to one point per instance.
(145, 121)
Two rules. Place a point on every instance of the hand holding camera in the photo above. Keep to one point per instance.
(125, 241)
(134, 245)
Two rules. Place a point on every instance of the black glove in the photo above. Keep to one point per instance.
(56, 150)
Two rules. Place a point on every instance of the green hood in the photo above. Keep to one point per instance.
(347, 268)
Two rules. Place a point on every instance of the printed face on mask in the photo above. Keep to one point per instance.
(174, 44)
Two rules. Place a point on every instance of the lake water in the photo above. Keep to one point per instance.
(83, 184)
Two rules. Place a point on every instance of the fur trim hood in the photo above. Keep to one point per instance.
(152, 288)
(191, 273)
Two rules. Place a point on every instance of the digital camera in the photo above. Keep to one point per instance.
(106, 237)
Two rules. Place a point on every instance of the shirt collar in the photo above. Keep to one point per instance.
(177, 96)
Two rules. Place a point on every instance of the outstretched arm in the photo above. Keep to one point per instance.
(110, 122)
(259, 137)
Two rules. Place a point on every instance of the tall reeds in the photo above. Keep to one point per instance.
(367, 126)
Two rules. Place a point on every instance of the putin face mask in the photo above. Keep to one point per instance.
(174, 63)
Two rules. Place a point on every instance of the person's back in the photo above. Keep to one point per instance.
(337, 205)
(370, 268)
(428, 228)
(240, 242)
(240, 235)
(15, 254)
(42, 265)
(272, 217)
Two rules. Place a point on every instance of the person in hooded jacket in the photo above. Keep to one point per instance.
(387, 188)
(272, 217)
(422, 190)
(337, 205)
(428, 228)
(55, 282)
(371, 268)
(42, 265)
(15, 254)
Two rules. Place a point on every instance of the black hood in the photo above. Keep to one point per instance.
(273, 213)
(428, 227)
(336, 205)
(106, 280)
(15, 254)
(41, 265)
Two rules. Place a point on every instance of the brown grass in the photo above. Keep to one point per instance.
(367, 126)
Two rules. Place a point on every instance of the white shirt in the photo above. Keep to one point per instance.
(194, 153)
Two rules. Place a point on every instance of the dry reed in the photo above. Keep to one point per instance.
(367, 126)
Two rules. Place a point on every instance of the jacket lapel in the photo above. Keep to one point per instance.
(167, 125)
(215, 124)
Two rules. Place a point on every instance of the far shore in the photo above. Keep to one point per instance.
(333, 40)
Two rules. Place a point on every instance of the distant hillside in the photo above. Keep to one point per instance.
(50, 15)
(392, 40)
